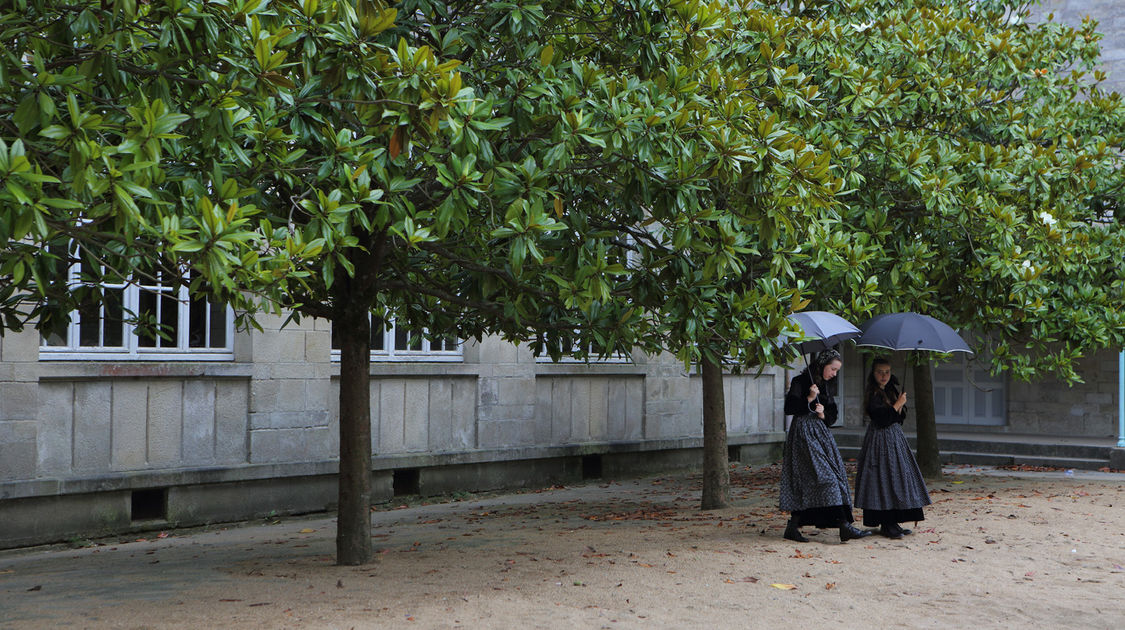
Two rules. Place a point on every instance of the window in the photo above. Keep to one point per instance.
(146, 320)
(965, 393)
(394, 343)
(571, 347)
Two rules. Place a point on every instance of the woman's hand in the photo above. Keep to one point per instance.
(901, 402)
(814, 391)
(819, 410)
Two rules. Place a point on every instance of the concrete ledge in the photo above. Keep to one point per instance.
(1056, 451)
(39, 520)
(251, 472)
(626, 465)
(756, 454)
(69, 370)
(590, 369)
(160, 478)
(417, 369)
(1117, 458)
(423, 460)
(201, 505)
(188, 498)
(1003, 459)
(494, 476)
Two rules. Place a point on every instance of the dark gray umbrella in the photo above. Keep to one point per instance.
(910, 331)
(822, 330)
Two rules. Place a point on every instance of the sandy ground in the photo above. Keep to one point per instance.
(996, 551)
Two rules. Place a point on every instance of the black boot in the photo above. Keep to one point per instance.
(793, 531)
(891, 530)
(849, 532)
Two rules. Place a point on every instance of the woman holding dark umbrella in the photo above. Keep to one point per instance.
(888, 484)
(814, 483)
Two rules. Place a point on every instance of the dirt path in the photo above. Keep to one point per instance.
(995, 552)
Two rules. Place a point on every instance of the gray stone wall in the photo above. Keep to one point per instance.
(1047, 406)
(19, 405)
(231, 440)
(1051, 407)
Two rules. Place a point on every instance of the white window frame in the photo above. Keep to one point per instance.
(425, 354)
(132, 350)
(616, 357)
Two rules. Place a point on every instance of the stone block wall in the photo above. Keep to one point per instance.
(186, 440)
(1051, 407)
(289, 417)
(1046, 406)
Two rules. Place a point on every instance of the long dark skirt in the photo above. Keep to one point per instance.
(814, 483)
(888, 484)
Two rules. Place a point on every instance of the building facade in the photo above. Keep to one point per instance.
(967, 399)
(100, 438)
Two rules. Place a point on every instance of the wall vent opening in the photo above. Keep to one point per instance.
(405, 481)
(591, 466)
(149, 505)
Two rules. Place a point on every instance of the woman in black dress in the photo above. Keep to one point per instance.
(888, 484)
(814, 484)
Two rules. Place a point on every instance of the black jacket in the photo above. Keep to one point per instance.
(797, 399)
(881, 412)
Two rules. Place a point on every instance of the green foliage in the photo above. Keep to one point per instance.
(309, 156)
(634, 174)
(983, 170)
(686, 158)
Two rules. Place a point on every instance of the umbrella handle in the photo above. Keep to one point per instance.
(808, 369)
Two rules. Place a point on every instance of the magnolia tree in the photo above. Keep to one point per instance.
(722, 191)
(336, 160)
(983, 169)
(666, 129)
(466, 169)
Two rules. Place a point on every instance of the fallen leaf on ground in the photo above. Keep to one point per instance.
(784, 587)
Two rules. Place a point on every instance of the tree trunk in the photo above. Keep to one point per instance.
(716, 475)
(353, 525)
(929, 459)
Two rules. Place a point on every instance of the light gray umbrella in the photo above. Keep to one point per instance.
(822, 330)
(910, 331)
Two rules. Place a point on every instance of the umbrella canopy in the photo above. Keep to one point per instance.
(911, 331)
(823, 330)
